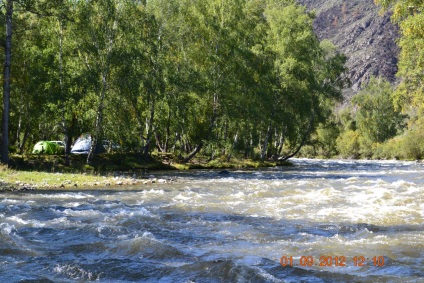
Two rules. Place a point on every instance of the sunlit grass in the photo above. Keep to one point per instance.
(46, 179)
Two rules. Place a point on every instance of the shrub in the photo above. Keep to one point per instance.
(413, 143)
(391, 149)
(348, 144)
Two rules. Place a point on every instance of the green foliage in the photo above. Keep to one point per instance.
(346, 120)
(413, 142)
(391, 149)
(348, 144)
(327, 139)
(378, 121)
(323, 143)
(401, 8)
(411, 65)
(369, 122)
(409, 15)
(236, 77)
(376, 117)
(366, 147)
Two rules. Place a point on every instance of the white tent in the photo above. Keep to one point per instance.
(83, 144)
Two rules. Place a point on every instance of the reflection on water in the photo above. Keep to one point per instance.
(211, 227)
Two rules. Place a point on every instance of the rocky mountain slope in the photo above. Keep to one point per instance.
(362, 33)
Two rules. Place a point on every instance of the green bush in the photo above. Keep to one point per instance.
(410, 145)
(327, 136)
(366, 147)
(309, 151)
(413, 143)
(391, 149)
(348, 144)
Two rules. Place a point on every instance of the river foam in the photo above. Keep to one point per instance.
(208, 227)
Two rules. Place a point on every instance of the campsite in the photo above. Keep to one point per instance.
(81, 146)
(212, 141)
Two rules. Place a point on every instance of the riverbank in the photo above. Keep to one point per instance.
(107, 170)
(14, 180)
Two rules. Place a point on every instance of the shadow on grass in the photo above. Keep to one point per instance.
(101, 164)
(124, 162)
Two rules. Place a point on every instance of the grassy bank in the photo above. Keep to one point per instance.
(50, 171)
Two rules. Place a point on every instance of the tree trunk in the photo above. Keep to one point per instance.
(18, 131)
(64, 125)
(26, 134)
(193, 153)
(250, 146)
(284, 158)
(6, 84)
(210, 130)
(139, 119)
(266, 141)
(99, 119)
(232, 148)
(158, 142)
(225, 136)
(105, 61)
(281, 143)
(149, 127)
(168, 131)
(302, 143)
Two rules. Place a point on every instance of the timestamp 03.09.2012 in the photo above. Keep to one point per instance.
(329, 261)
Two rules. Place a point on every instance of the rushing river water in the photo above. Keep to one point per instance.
(326, 221)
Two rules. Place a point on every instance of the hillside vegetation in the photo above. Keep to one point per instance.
(384, 119)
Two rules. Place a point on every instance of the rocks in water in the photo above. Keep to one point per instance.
(122, 180)
(18, 187)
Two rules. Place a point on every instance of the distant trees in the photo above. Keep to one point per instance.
(409, 93)
(370, 121)
(376, 117)
(221, 77)
(409, 15)
(384, 121)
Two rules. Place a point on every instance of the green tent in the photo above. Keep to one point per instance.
(45, 147)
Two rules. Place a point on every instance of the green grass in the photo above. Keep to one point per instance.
(47, 179)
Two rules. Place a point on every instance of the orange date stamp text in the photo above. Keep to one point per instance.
(332, 261)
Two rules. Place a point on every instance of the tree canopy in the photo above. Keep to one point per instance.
(180, 76)
(376, 116)
(409, 15)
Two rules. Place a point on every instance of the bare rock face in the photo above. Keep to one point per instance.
(362, 33)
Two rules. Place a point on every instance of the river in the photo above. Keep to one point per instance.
(316, 221)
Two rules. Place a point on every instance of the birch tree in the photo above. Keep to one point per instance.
(98, 29)
(7, 82)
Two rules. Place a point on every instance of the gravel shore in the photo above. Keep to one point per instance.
(105, 182)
